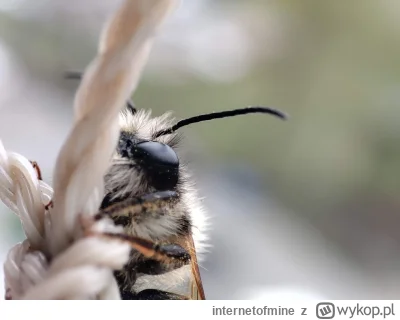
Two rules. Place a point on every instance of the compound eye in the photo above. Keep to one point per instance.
(156, 154)
(160, 162)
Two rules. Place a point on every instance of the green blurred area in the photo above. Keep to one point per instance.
(338, 79)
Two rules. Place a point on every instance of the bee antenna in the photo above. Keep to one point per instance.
(73, 75)
(77, 75)
(219, 115)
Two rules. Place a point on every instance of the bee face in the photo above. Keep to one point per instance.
(142, 163)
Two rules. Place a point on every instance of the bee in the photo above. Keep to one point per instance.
(151, 194)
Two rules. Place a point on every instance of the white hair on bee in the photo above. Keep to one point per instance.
(174, 281)
(143, 124)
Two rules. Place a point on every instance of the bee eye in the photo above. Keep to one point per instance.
(160, 163)
(156, 154)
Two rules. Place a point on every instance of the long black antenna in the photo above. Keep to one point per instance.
(77, 75)
(219, 115)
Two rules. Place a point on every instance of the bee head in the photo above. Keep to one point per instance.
(143, 163)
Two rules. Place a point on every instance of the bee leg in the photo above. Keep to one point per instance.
(133, 209)
(172, 256)
(169, 257)
(151, 266)
(138, 211)
(135, 204)
(164, 253)
(161, 258)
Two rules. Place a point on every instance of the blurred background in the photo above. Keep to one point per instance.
(303, 208)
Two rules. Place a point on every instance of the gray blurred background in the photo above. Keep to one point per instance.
(304, 208)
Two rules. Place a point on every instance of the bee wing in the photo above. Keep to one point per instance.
(197, 290)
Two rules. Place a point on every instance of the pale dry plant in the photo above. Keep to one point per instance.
(60, 259)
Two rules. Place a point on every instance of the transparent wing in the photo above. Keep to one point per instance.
(196, 284)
